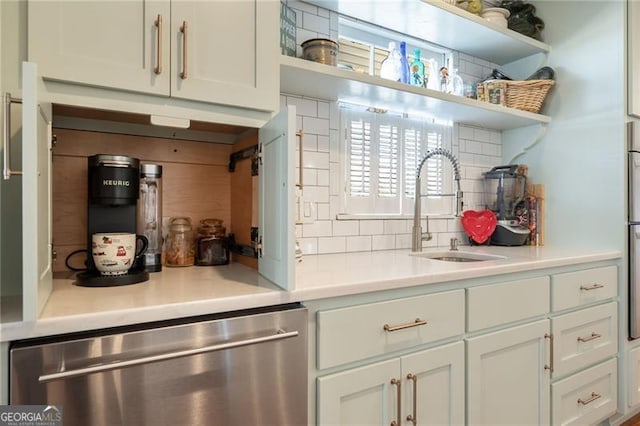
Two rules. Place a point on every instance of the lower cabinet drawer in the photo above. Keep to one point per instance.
(586, 398)
(584, 338)
(496, 304)
(579, 288)
(359, 332)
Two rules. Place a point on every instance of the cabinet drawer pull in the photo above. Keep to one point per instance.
(413, 418)
(158, 24)
(6, 140)
(589, 400)
(550, 366)
(185, 57)
(593, 286)
(593, 336)
(416, 323)
(398, 420)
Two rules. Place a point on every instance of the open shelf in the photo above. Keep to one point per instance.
(306, 78)
(444, 24)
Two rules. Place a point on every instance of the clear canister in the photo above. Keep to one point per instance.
(149, 221)
(211, 246)
(180, 244)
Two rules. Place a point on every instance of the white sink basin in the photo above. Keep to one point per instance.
(456, 256)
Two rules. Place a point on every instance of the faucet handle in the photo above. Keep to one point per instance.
(454, 244)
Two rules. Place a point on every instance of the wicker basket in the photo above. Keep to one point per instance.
(527, 95)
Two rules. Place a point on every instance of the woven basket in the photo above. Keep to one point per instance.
(528, 95)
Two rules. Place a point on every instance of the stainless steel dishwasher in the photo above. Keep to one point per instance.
(247, 369)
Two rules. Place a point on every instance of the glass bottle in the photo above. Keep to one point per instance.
(417, 70)
(391, 67)
(404, 64)
(180, 244)
(455, 85)
(149, 221)
(211, 246)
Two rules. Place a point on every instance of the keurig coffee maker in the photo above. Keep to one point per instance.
(113, 190)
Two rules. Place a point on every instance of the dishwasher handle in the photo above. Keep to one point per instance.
(280, 334)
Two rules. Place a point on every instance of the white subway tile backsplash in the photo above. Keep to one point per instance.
(465, 132)
(316, 194)
(362, 243)
(403, 241)
(310, 142)
(316, 23)
(334, 146)
(332, 245)
(319, 228)
(395, 226)
(323, 109)
(305, 107)
(346, 227)
(315, 126)
(334, 179)
(301, 7)
(383, 242)
(323, 143)
(310, 176)
(316, 160)
(371, 227)
(492, 149)
(323, 211)
(308, 245)
(482, 135)
(322, 177)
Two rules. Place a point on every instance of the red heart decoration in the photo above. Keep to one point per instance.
(479, 225)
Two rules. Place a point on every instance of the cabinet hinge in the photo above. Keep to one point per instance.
(54, 141)
(259, 247)
(54, 255)
(259, 154)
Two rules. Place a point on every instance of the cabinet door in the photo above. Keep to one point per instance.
(360, 396)
(276, 192)
(507, 380)
(36, 196)
(226, 52)
(434, 385)
(102, 43)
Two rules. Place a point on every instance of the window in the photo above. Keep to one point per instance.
(382, 152)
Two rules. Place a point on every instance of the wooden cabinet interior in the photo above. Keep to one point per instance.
(196, 180)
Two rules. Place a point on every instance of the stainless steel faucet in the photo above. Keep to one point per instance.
(417, 236)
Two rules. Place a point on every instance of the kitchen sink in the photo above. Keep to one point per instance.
(457, 256)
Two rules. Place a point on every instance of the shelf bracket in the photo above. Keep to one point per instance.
(249, 152)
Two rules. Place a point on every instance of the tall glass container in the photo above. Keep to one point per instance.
(150, 214)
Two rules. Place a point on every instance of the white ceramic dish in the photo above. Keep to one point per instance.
(497, 15)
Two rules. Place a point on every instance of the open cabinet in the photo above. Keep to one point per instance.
(41, 193)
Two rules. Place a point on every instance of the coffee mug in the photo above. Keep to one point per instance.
(114, 253)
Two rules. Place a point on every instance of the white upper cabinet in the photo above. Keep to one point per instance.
(225, 51)
(219, 52)
(102, 43)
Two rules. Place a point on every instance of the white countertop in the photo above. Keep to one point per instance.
(184, 292)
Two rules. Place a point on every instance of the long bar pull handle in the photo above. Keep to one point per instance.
(416, 323)
(593, 336)
(185, 57)
(299, 135)
(6, 139)
(413, 418)
(280, 334)
(398, 420)
(158, 24)
(550, 366)
(591, 287)
(589, 400)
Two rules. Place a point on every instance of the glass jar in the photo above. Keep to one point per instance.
(180, 244)
(211, 246)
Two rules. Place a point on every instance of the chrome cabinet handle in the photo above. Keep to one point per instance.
(413, 418)
(589, 400)
(280, 334)
(158, 24)
(416, 323)
(398, 420)
(6, 139)
(593, 286)
(593, 336)
(185, 58)
(550, 366)
(300, 134)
